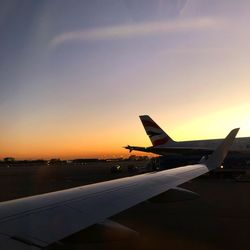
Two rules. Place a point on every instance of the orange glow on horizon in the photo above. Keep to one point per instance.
(108, 142)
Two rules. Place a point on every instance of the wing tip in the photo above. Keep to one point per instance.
(218, 156)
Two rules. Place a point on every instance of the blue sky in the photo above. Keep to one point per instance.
(75, 75)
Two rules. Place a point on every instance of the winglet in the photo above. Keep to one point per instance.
(217, 157)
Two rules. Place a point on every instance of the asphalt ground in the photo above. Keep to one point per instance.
(218, 219)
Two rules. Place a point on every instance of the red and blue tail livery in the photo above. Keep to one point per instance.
(156, 134)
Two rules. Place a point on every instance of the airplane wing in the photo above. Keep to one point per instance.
(38, 221)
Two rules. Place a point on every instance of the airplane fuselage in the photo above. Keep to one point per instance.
(241, 144)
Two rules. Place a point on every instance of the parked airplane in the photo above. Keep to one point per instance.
(163, 144)
(38, 221)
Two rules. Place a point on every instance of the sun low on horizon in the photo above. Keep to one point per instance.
(76, 76)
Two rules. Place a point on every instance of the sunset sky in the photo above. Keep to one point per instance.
(75, 75)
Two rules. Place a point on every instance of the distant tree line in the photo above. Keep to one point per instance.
(57, 161)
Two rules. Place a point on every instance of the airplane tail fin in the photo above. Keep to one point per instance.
(218, 156)
(156, 134)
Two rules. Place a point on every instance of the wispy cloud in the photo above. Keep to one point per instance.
(135, 30)
(184, 7)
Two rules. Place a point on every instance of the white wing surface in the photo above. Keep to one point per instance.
(38, 221)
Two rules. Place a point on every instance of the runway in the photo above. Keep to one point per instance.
(219, 219)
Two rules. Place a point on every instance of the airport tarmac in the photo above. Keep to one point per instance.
(219, 219)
